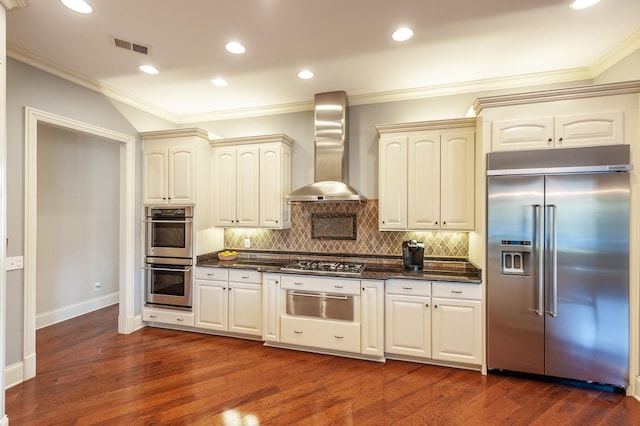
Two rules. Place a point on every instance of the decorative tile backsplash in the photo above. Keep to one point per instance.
(369, 239)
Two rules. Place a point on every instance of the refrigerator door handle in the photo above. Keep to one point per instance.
(538, 230)
(554, 261)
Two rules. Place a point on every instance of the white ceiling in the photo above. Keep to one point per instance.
(458, 44)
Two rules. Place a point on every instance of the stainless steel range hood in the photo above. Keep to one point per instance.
(331, 153)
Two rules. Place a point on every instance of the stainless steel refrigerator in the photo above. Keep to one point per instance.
(558, 263)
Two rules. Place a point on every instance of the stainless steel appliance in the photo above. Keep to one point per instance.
(169, 231)
(327, 268)
(413, 255)
(320, 305)
(558, 263)
(168, 282)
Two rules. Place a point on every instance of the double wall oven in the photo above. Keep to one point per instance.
(169, 256)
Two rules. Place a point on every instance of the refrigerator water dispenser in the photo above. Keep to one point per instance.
(516, 258)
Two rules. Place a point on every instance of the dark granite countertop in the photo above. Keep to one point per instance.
(376, 267)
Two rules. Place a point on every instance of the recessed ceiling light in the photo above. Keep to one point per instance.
(305, 74)
(219, 82)
(235, 47)
(79, 6)
(583, 4)
(402, 34)
(149, 69)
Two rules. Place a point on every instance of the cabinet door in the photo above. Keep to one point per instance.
(224, 187)
(392, 184)
(271, 308)
(457, 201)
(512, 135)
(408, 325)
(245, 308)
(211, 305)
(589, 129)
(154, 176)
(423, 182)
(271, 188)
(457, 330)
(372, 322)
(182, 175)
(247, 186)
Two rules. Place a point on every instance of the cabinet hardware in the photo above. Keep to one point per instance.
(435, 306)
(560, 140)
(180, 319)
(297, 332)
(426, 304)
(152, 316)
(339, 337)
(550, 140)
(244, 277)
(338, 286)
(407, 288)
(456, 291)
(298, 283)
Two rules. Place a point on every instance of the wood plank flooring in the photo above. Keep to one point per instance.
(88, 374)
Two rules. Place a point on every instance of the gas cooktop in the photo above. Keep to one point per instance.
(329, 268)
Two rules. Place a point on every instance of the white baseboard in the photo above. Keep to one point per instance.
(68, 312)
(637, 395)
(13, 375)
(4, 421)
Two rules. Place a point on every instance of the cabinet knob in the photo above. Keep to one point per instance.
(426, 304)
(560, 140)
(383, 222)
(550, 140)
(435, 306)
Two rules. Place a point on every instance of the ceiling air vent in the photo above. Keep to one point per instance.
(128, 45)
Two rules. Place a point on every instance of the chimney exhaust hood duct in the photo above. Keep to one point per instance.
(331, 153)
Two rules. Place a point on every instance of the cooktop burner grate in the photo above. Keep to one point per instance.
(322, 267)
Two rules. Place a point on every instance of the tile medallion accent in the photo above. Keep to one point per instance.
(369, 239)
(333, 226)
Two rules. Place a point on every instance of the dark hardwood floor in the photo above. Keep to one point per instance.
(87, 373)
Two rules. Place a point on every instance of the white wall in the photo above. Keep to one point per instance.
(78, 223)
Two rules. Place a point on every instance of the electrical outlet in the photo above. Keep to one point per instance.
(13, 263)
(98, 286)
(247, 243)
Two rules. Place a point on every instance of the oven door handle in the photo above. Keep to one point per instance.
(320, 296)
(168, 221)
(152, 268)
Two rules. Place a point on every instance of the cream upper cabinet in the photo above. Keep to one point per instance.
(251, 177)
(393, 183)
(427, 175)
(275, 184)
(561, 131)
(170, 159)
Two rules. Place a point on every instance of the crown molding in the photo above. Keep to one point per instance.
(615, 55)
(10, 4)
(569, 93)
(456, 123)
(250, 140)
(175, 133)
(22, 55)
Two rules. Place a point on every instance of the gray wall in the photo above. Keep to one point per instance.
(77, 220)
(28, 86)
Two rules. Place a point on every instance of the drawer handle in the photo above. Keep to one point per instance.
(210, 275)
(297, 332)
(339, 337)
(180, 319)
(153, 316)
(338, 286)
(456, 291)
(244, 277)
(298, 283)
(407, 288)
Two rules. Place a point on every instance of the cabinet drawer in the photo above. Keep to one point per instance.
(245, 276)
(168, 317)
(214, 274)
(457, 291)
(326, 284)
(320, 334)
(411, 287)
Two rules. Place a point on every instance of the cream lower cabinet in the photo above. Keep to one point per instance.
(251, 177)
(372, 318)
(408, 318)
(233, 305)
(167, 316)
(271, 307)
(427, 176)
(456, 323)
